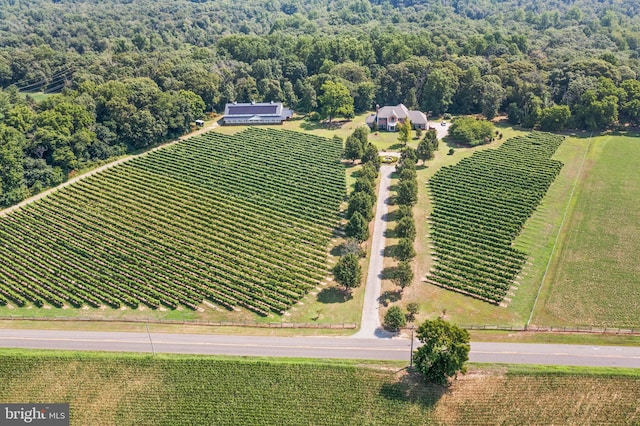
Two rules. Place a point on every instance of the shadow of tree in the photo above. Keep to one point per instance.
(410, 387)
(388, 217)
(389, 296)
(387, 273)
(390, 233)
(381, 333)
(333, 295)
(315, 125)
(395, 147)
(389, 250)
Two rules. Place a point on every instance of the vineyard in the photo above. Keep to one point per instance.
(480, 206)
(128, 389)
(242, 221)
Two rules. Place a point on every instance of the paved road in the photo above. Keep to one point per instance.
(313, 347)
(371, 327)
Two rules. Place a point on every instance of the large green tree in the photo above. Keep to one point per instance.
(404, 132)
(362, 203)
(402, 275)
(407, 192)
(335, 100)
(554, 118)
(352, 148)
(470, 131)
(424, 151)
(348, 272)
(395, 319)
(357, 228)
(444, 351)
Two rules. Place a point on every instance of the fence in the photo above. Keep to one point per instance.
(325, 326)
(556, 329)
(339, 326)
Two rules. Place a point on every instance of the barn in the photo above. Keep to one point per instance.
(256, 113)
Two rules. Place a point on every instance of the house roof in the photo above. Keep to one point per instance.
(418, 117)
(399, 111)
(370, 119)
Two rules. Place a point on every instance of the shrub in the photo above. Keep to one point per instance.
(394, 319)
(412, 308)
(470, 131)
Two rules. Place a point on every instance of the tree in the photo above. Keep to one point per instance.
(357, 228)
(407, 173)
(368, 172)
(348, 272)
(554, 118)
(402, 275)
(395, 319)
(12, 184)
(407, 192)
(406, 228)
(335, 100)
(351, 245)
(470, 131)
(492, 95)
(439, 88)
(408, 153)
(432, 137)
(307, 101)
(366, 185)
(404, 130)
(445, 349)
(361, 203)
(404, 211)
(362, 134)
(424, 151)
(352, 149)
(404, 250)
(371, 156)
(412, 308)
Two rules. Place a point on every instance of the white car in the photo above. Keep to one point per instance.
(444, 123)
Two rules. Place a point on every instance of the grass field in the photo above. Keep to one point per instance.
(384, 141)
(106, 389)
(594, 278)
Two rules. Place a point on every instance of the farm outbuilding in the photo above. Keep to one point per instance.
(256, 113)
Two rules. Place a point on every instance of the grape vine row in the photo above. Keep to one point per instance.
(242, 220)
(480, 206)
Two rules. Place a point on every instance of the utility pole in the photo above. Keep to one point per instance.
(411, 354)
(153, 351)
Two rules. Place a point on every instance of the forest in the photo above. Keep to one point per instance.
(129, 74)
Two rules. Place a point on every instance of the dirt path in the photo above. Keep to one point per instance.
(370, 326)
(101, 168)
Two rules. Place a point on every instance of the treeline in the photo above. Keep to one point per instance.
(41, 143)
(548, 64)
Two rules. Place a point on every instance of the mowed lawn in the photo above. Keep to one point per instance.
(595, 274)
(130, 389)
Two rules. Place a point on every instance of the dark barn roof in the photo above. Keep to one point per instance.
(269, 109)
(256, 113)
